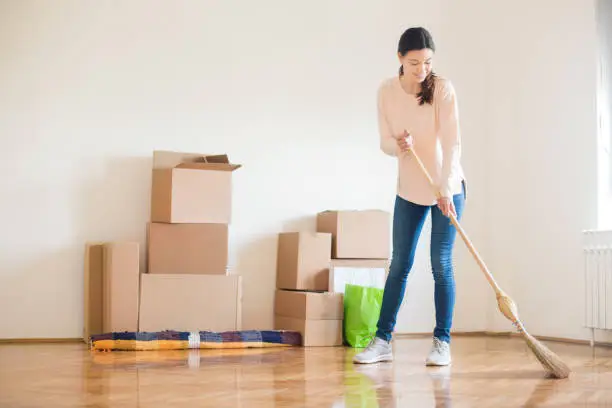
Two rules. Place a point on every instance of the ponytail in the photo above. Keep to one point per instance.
(428, 87)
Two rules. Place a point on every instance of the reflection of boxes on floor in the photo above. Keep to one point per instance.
(357, 234)
(308, 392)
(316, 315)
(191, 188)
(303, 261)
(187, 248)
(190, 302)
(362, 272)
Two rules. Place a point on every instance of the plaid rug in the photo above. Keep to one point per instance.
(177, 340)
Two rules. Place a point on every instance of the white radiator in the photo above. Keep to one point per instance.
(597, 249)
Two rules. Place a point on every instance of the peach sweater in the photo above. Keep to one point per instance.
(437, 139)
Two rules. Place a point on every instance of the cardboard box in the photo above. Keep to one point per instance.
(309, 305)
(187, 248)
(190, 303)
(120, 289)
(357, 234)
(303, 261)
(362, 272)
(315, 333)
(191, 188)
(92, 290)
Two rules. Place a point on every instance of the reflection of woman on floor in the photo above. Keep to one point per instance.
(374, 387)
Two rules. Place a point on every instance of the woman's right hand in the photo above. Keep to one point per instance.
(405, 142)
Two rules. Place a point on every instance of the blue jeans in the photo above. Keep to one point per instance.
(408, 220)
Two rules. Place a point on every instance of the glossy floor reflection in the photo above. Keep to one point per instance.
(487, 372)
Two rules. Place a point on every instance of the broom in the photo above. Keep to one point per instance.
(551, 362)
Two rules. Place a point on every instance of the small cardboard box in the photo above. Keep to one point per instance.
(315, 333)
(187, 248)
(120, 287)
(303, 260)
(191, 303)
(362, 272)
(309, 305)
(357, 234)
(191, 188)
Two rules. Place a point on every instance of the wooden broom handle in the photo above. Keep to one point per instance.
(454, 221)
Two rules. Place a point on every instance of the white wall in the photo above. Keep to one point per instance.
(285, 88)
(542, 172)
(604, 31)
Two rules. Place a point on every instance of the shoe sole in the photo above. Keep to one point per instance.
(382, 359)
(434, 364)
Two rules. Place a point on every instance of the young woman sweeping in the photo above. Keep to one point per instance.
(419, 108)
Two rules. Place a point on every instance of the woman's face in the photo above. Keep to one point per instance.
(417, 64)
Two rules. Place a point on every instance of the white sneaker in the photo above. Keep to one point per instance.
(377, 351)
(440, 353)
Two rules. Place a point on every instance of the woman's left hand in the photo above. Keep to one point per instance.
(447, 206)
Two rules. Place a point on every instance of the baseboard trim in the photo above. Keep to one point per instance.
(506, 334)
(455, 334)
(41, 340)
(569, 341)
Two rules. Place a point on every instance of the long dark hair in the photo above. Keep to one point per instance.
(418, 38)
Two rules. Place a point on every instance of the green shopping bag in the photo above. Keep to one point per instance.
(362, 306)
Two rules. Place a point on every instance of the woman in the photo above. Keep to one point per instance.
(418, 109)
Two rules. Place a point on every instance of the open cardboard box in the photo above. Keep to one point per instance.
(191, 188)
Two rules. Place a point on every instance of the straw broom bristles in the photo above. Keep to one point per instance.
(549, 360)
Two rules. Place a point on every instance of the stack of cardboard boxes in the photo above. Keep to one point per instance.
(186, 285)
(306, 299)
(302, 302)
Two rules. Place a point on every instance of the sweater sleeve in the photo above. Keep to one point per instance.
(388, 144)
(449, 133)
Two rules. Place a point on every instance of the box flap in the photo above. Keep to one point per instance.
(213, 158)
(194, 161)
(164, 159)
(208, 166)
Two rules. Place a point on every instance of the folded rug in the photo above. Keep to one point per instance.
(178, 340)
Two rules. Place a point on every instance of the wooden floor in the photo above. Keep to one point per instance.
(486, 372)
